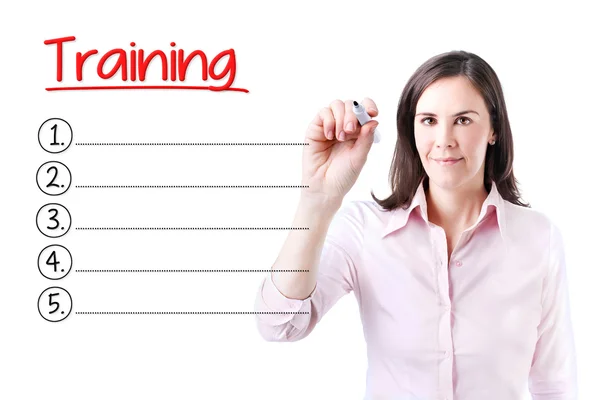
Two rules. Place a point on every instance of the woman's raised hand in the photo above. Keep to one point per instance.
(337, 149)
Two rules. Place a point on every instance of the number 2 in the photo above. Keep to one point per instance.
(55, 175)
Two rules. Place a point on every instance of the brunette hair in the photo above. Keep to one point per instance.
(406, 171)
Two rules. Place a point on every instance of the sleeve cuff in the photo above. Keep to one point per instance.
(277, 301)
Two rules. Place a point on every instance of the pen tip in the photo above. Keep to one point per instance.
(355, 104)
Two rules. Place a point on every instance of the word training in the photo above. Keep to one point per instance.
(132, 64)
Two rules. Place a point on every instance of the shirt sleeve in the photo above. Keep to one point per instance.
(283, 319)
(553, 374)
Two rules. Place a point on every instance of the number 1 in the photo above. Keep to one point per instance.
(54, 143)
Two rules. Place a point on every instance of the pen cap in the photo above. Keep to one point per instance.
(363, 118)
(361, 114)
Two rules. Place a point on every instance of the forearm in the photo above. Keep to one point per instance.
(302, 248)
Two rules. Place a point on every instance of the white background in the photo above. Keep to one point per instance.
(293, 57)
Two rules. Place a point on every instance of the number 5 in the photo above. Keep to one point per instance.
(53, 302)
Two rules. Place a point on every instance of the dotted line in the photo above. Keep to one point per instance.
(191, 270)
(190, 228)
(187, 312)
(191, 186)
(192, 144)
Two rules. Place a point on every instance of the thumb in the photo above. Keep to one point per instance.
(365, 137)
(363, 143)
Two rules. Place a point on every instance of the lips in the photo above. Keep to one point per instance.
(447, 159)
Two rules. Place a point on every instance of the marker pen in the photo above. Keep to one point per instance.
(363, 118)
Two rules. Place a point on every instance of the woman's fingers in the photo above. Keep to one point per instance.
(328, 123)
(338, 121)
(337, 108)
(351, 125)
(370, 107)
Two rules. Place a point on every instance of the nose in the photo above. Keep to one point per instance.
(444, 136)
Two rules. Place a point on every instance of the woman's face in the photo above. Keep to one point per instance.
(452, 121)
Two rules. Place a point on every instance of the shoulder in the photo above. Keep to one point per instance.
(535, 234)
(524, 223)
(360, 218)
(363, 212)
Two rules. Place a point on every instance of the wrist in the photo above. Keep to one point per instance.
(318, 202)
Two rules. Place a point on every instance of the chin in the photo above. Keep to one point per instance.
(446, 182)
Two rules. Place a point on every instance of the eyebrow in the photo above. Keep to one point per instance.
(455, 115)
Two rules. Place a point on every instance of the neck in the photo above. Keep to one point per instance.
(455, 209)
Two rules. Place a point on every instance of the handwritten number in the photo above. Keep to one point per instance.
(53, 302)
(54, 142)
(52, 260)
(55, 175)
(53, 218)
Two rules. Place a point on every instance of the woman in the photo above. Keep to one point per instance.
(462, 288)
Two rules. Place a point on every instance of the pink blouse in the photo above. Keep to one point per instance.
(492, 322)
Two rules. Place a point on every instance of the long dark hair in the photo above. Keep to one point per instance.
(406, 171)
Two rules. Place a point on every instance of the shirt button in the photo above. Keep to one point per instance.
(459, 263)
(447, 353)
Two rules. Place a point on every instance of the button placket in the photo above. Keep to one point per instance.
(445, 370)
(445, 322)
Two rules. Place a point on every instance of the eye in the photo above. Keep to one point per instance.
(460, 118)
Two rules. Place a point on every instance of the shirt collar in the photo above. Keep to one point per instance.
(399, 216)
